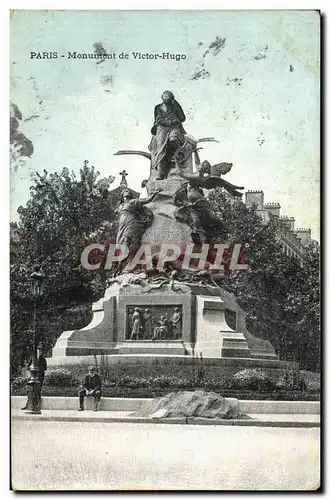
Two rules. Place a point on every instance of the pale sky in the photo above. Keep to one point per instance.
(260, 100)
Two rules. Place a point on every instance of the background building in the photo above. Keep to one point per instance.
(294, 241)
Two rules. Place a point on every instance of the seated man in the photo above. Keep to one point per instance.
(92, 387)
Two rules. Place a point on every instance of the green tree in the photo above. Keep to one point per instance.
(276, 289)
(64, 215)
(303, 308)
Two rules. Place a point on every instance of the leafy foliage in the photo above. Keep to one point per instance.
(60, 377)
(144, 380)
(66, 213)
(252, 379)
(280, 296)
(63, 215)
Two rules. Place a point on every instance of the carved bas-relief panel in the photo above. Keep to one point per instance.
(158, 322)
(153, 323)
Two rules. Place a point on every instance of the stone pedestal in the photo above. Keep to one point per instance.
(203, 328)
(259, 348)
(175, 348)
(214, 338)
(165, 228)
(109, 331)
(96, 338)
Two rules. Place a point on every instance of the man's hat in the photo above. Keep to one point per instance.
(41, 346)
(91, 369)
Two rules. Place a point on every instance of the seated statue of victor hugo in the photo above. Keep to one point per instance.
(167, 134)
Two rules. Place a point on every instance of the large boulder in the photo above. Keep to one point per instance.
(191, 404)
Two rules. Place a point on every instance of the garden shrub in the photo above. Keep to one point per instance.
(299, 381)
(139, 380)
(19, 383)
(308, 381)
(253, 379)
(60, 377)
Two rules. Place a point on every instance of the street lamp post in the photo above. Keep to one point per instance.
(34, 386)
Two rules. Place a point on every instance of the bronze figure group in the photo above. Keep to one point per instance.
(145, 325)
(169, 154)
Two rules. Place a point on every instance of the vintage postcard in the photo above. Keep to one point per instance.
(165, 250)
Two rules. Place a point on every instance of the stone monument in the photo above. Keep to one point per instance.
(169, 311)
